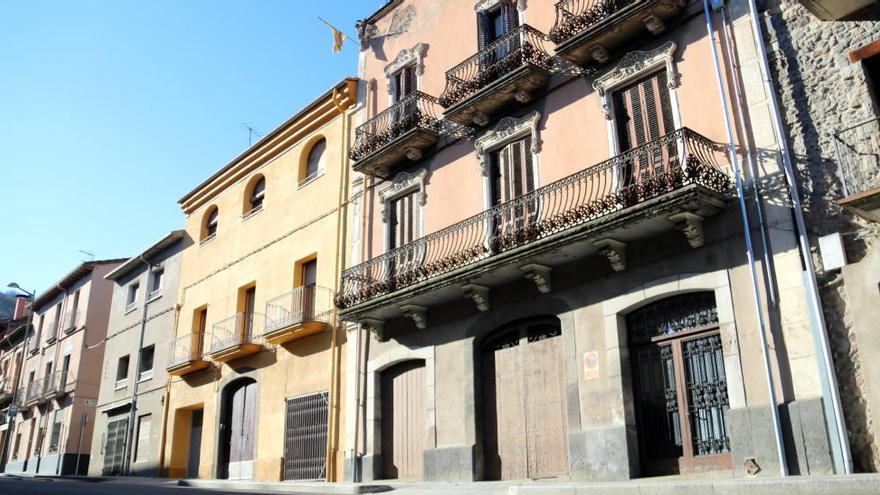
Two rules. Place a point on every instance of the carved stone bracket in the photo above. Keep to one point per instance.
(418, 314)
(633, 65)
(480, 119)
(366, 32)
(691, 225)
(479, 294)
(600, 54)
(505, 131)
(376, 327)
(412, 56)
(401, 184)
(539, 274)
(615, 251)
(654, 24)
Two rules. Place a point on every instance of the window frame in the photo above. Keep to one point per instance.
(307, 177)
(142, 373)
(132, 292)
(122, 382)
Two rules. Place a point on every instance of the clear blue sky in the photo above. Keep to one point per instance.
(112, 110)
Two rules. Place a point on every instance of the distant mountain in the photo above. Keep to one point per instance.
(7, 305)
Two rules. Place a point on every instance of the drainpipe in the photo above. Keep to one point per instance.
(166, 406)
(830, 391)
(132, 413)
(747, 234)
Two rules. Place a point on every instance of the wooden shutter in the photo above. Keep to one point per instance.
(513, 174)
(403, 220)
(643, 113)
(511, 16)
(484, 30)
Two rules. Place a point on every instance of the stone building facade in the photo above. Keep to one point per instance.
(509, 250)
(828, 83)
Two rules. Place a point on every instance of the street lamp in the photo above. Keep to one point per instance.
(11, 429)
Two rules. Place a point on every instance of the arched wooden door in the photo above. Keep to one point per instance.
(679, 385)
(403, 420)
(523, 384)
(238, 426)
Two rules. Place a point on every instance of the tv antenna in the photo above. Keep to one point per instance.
(90, 255)
(252, 131)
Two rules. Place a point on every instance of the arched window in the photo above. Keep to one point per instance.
(315, 162)
(209, 228)
(255, 195)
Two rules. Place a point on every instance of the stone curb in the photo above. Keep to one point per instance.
(286, 487)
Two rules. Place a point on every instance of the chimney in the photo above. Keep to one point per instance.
(20, 308)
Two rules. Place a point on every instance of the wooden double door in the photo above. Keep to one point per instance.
(403, 420)
(523, 387)
(238, 428)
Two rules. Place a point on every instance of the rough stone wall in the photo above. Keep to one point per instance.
(820, 92)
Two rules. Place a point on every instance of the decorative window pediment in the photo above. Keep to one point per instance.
(508, 129)
(484, 5)
(634, 65)
(404, 183)
(412, 56)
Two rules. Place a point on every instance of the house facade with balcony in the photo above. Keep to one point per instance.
(830, 103)
(548, 274)
(256, 352)
(62, 373)
(12, 333)
(142, 318)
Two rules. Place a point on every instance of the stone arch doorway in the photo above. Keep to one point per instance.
(525, 428)
(238, 414)
(679, 385)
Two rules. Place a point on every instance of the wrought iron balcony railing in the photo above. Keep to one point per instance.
(633, 177)
(575, 16)
(240, 329)
(70, 321)
(858, 155)
(56, 384)
(301, 305)
(185, 349)
(520, 47)
(416, 111)
(36, 389)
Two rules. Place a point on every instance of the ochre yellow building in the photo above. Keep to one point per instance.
(255, 387)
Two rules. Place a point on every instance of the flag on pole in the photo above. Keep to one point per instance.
(338, 36)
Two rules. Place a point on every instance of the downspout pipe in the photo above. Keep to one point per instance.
(132, 413)
(771, 389)
(830, 393)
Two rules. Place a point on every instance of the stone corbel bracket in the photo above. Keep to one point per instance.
(479, 294)
(418, 314)
(539, 274)
(376, 327)
(691, 226)
(615, 251)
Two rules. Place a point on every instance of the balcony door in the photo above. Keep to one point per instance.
(250, 296)
(403, 218)
(492, 25)
(309, 279)
(643, 115)
(513, 176)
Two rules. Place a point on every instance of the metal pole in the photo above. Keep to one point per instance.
(830, 392)
(82, 426)
(771, 389)
(11, 429)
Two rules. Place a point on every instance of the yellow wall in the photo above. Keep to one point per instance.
(297, 222)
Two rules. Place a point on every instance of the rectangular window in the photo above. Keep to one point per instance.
(38, 445)
(16, 446)
(495, 23)
(55, 437)
(131, 299)
(146, 363)
(142, 440)
(404, 82)
(65, 369)
(309, 273)
(122, 372)
(156, 280)
(403, 215)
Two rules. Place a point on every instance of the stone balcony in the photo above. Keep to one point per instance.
(185, 355)
(397, 136)
(673, 183)
(508, 72)
(591, 31)
(236, 337)
(858, 156)
(300, 313)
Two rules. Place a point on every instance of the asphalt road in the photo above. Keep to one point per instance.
(42, 486)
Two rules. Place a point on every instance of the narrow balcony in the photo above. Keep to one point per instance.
(507, 72)
(185, 355)
(57, 385)
(236, 337)
(35, 392)
(298, 314)
(589, 31)
(672, 183)
(400, 134)
(858, 156)
(70, 322)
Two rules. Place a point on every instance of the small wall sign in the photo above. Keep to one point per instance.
(591, 365)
